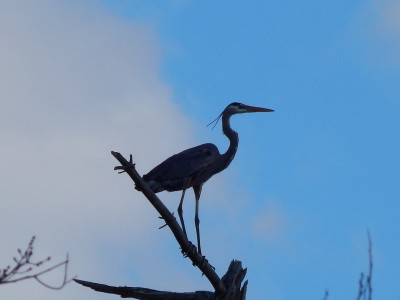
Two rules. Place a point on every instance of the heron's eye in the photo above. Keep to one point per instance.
(236, 106)
(240, 106)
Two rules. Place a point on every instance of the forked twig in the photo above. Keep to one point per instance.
(25, 268)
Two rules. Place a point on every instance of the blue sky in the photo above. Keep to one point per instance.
(307, 182)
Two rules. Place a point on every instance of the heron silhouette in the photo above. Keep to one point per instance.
(191, 168)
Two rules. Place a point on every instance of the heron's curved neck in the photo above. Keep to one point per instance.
(233, 139)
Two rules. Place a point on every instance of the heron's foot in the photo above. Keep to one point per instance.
(204, 264)
(130, 166)
(190, 252)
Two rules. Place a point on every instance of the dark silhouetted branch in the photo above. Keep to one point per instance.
(228, 288)
(232, 279)
(145, 294)
(187, 247)
(365, 283)
(24, 268)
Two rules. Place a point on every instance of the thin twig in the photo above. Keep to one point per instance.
(326, 295)
(365, 282)
(25, 265)
(369, 277)
(360, 287)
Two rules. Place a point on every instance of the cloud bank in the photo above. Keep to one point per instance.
(78, 82)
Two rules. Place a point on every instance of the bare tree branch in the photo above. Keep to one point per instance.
(145, 294)
(232, 279)
(188, 249)
(369, 278)
(228, 288)
(365, 283)
(25, 268)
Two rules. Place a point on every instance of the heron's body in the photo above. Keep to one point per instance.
(186, 169)
(193, 167)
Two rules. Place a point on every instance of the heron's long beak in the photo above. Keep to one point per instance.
(258, 109)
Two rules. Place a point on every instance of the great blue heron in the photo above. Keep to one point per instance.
(193, 167)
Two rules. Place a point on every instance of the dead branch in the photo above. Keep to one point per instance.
(143, 293)
(365, 283)
(188, 249)
(232, 279)
(228, 288)
(25, 268)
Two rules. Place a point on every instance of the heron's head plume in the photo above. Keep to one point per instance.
(215, 121)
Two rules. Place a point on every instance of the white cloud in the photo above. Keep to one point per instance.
(77, 83)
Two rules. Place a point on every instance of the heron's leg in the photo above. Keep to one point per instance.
(180, 213)
(197, 192)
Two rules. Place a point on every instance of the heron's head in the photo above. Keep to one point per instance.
(240, 108)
